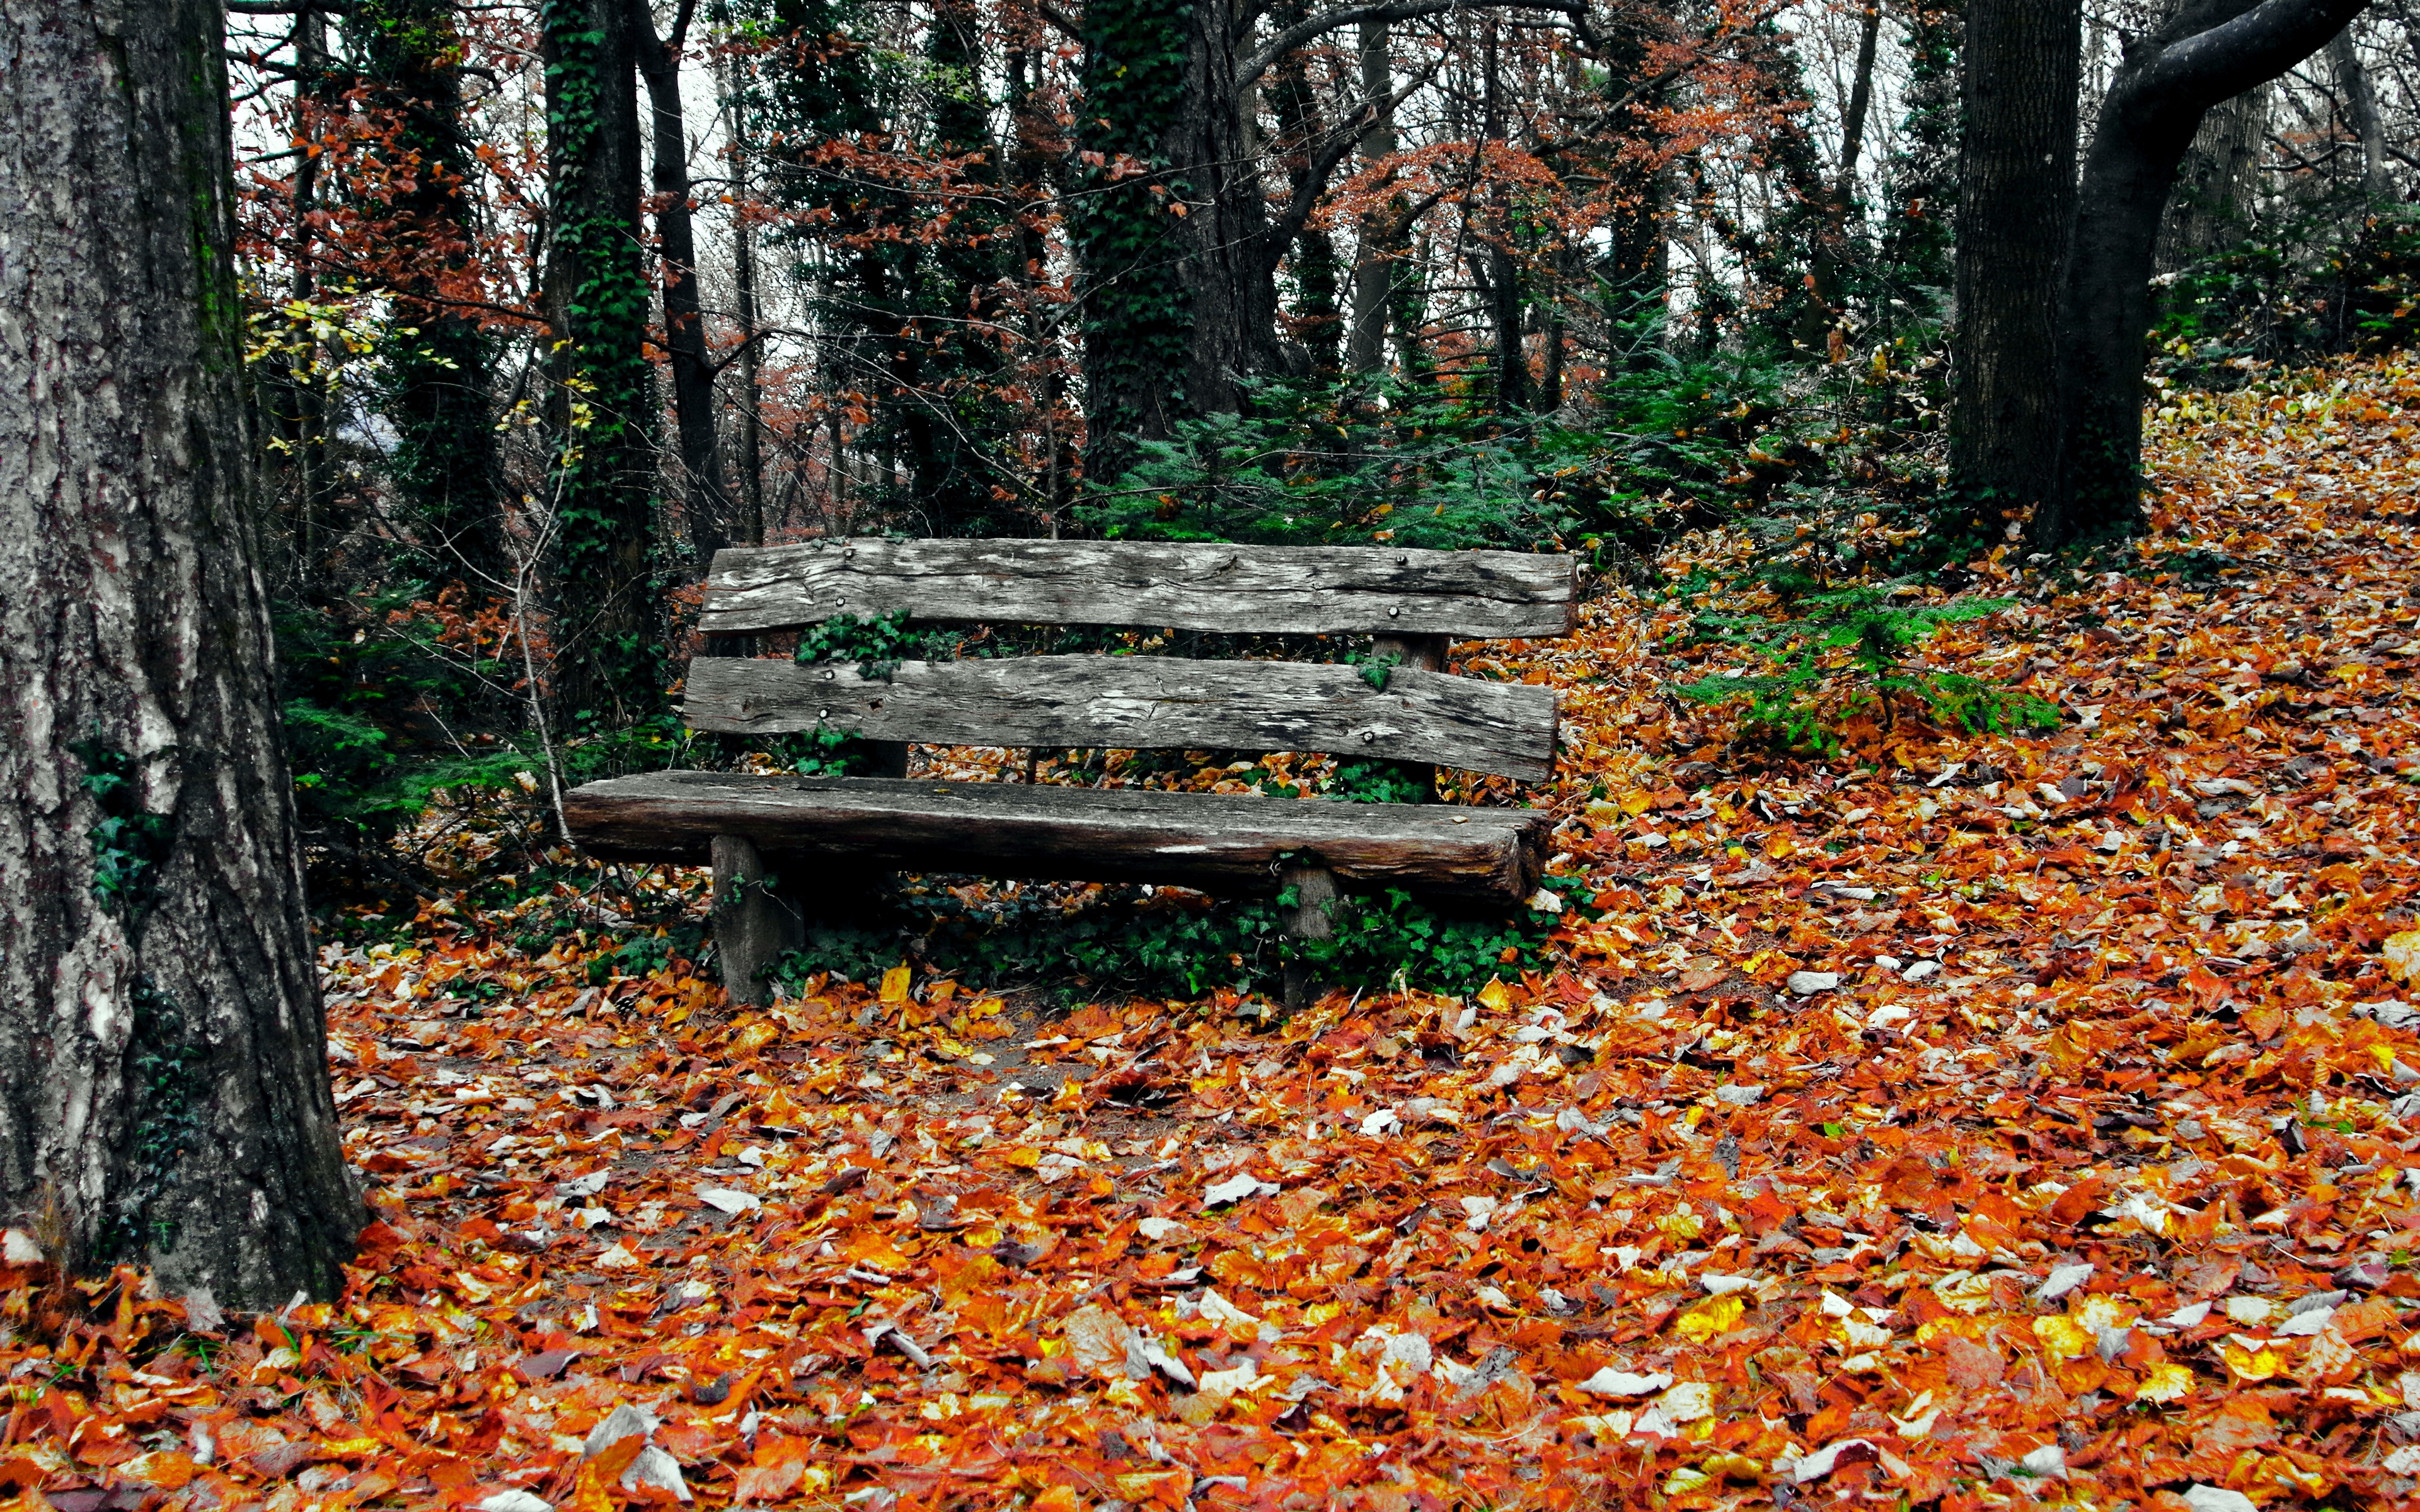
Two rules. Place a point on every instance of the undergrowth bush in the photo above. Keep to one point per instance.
(1357, 461)
(1169, 943)
(1835, 656)
(2301, 287)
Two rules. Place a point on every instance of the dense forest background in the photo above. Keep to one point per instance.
(549, 302)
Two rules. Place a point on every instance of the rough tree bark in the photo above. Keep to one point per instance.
(2211, 208)
(164, 1082)
(2208, 52)
(2017, 190)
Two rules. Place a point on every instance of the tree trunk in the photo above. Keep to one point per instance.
(1632, 277)
(2210, 208)
(1180, 297)
(163, 1084)
(1861, 99)
(1494, 265)
(1550, 378)
(2017, 172)
(704, 499)
(751, 531)
(606, 670)
(1316, 324)
(1380, 242)
(2361, 112)
(2209, 51)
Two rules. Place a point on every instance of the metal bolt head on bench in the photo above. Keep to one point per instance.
(1414, 601)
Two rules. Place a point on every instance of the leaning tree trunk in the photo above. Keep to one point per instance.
(164, 1082)
(2017, 187)
(2208, 51)
(703, 500)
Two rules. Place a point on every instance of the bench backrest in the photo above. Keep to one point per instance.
(1144, 702)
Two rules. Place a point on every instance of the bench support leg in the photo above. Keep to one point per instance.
(752, 926)
(1427, 654)
(1315, 889)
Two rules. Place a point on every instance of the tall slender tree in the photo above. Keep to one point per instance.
(1384, 235)
(748, 421)
(292, 389)
(1316, 323)
(606, 642)
(164, 1082)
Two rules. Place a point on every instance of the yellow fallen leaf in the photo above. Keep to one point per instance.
(2248, 1365)
(2061, 1337)
(1964, 1292)
(1710, 1319)
(2403, 954)
(2165, 1382)
(1494, 996)
(168, 1468)
(1736, 1466)
(360, 1447)
(2101, 1311)
(874, 1247)
(895, 984)
(1637, 801)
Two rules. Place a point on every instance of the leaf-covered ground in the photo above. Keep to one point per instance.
(1985, 1123)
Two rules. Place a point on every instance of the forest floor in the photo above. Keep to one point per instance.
(2076, 1166)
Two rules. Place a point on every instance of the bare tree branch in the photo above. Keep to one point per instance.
(1266, 56)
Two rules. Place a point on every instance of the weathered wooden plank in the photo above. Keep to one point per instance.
(1220, 843)
(1263, 590)
(1143, 703)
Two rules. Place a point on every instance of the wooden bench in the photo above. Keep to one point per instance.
(825, 839)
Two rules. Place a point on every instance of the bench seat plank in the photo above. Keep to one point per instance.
(1212, 841)
(1142, 703)
(1254, 590)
